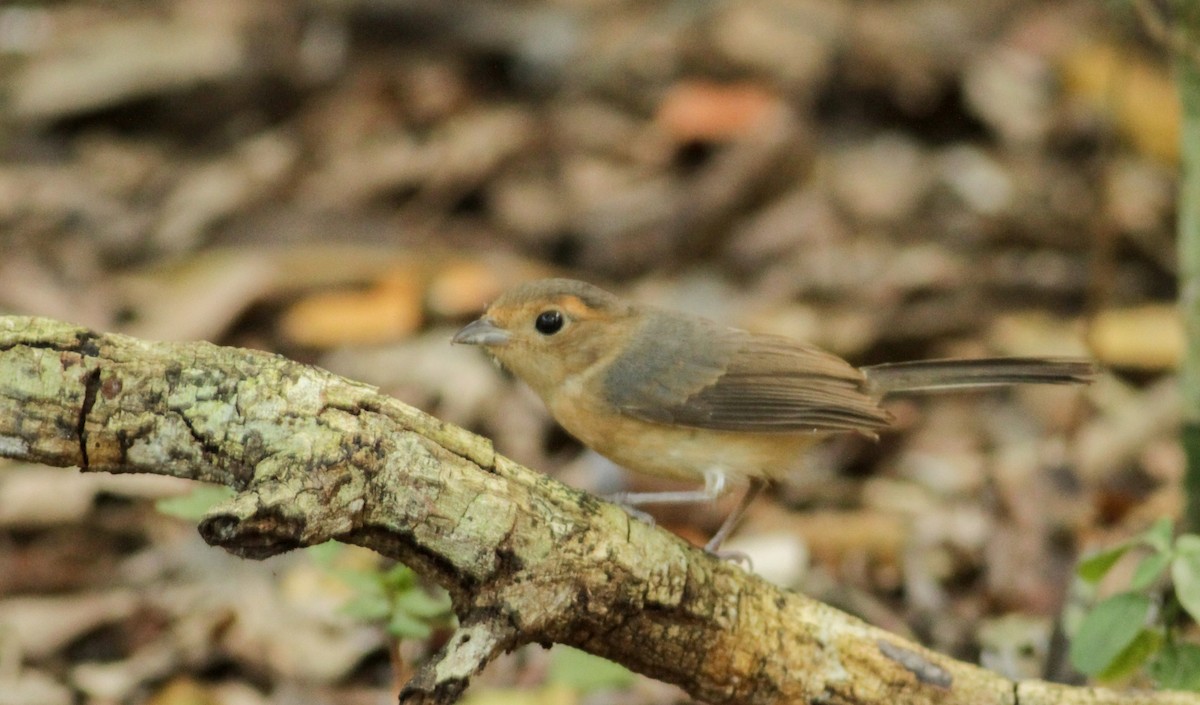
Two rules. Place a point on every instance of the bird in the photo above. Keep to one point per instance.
(674, 395)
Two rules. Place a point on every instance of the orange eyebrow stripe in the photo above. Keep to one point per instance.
(575, 307)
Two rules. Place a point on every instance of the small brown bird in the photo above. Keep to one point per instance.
(678, 396)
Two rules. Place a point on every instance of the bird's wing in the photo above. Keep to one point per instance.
(692, 372)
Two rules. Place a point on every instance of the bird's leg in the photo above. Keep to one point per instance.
(714, 487)
(714, 544)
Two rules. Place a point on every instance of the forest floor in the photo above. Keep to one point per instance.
(346, 182)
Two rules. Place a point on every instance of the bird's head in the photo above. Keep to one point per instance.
(549, 330)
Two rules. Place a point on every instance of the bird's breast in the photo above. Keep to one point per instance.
(674, 451)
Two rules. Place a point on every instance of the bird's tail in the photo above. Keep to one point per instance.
(951, 375)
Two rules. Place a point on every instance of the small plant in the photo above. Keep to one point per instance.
(196, 503)
(584, 673)
(393, 596)
(1136, 628)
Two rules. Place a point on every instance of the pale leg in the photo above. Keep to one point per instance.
(714, 487)
(714, 544)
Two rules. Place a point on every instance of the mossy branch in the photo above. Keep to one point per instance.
(317, 457)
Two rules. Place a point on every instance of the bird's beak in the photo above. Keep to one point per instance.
(482, 331)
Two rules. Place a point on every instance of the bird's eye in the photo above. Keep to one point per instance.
(549, 322)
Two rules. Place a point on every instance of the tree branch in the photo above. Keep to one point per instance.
(525, 559)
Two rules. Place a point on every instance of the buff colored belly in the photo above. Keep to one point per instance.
(681, 452)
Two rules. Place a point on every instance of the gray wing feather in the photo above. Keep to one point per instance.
(693, 372)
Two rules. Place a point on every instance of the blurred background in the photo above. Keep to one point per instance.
(346, 182)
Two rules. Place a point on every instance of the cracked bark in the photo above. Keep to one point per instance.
(525, 559)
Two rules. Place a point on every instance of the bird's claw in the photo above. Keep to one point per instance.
(740, 557)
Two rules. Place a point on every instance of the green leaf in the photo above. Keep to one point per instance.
(419, 603)
(368, 608)
(1185, 571)
(1177, 667)
(1159, 535)
(1148, 570)
(1187, 543)
(584, 672)
(1146, 644)
(1107, 631)
(325, 554)
(195, 504)
(406, 626)
(399, 578)
(1097, 566)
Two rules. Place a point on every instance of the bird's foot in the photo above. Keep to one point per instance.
(739, 557)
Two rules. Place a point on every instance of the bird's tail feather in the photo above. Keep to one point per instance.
(950, 375)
